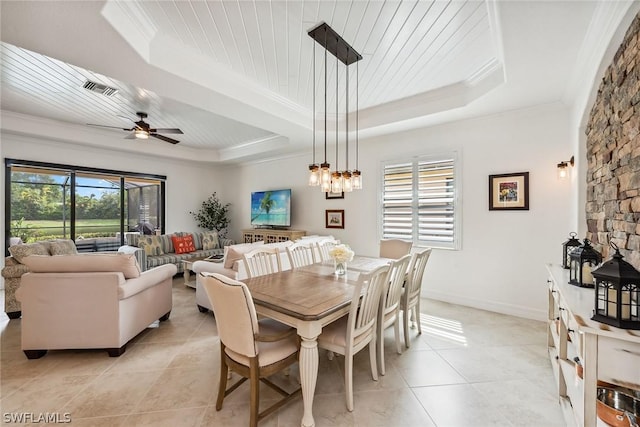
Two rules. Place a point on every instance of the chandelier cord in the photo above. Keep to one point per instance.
(337, 41)
(314, 104)
(325, 97)
(357, 112)
(346, 115)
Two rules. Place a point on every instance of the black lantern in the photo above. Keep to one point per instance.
(567, 248)
(617, 292)
(582, 261)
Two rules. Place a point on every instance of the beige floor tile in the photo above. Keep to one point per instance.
(48, 394)
(191, 417)
(146, 357)
(426, 368)
(100, 422)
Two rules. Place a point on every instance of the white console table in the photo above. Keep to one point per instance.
(607, 353)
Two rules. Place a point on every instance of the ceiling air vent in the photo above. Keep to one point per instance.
(100, 88)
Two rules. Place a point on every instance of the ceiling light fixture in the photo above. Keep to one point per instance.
(563, 168)
(141, 134)
(336, 181)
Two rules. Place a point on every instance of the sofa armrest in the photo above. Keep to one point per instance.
(226, 242)
(140, 255)
(14, 271)
(213, 267)
(146, 280)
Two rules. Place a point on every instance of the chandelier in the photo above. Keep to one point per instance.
(336, 180)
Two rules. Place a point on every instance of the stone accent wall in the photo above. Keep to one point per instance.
(613, 154)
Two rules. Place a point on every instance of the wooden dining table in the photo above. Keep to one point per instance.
(308, 299)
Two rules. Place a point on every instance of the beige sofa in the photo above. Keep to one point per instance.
(232, 266)
(153, 251)
(90, 301)
(14, 268)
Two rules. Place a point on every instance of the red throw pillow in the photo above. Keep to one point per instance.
(183, 244)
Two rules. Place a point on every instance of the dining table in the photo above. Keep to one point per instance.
(309, 298)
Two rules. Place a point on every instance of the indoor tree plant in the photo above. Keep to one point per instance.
(213, 215)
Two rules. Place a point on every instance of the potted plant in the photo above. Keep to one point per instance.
(213, 215)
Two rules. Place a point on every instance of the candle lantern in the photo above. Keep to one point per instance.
(567, 248)
(582, 261)
(617, 289)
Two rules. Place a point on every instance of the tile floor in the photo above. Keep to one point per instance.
(468, 368)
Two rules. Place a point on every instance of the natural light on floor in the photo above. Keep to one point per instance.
(443, 328)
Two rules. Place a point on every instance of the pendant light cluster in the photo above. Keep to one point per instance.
(335, 181)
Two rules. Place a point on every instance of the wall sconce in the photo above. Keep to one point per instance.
(563, 168)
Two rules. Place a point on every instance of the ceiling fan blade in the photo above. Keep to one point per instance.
(166, 130)
(104, 126)
(165, 138)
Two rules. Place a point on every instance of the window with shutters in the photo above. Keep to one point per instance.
(419, 198)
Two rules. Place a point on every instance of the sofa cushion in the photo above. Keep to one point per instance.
(234, 253)
(20, 252)
(62, 247)
(84, 263)
(151, 245)
(183, 244)
(210, 240)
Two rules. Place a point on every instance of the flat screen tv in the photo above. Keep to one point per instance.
(271, 208)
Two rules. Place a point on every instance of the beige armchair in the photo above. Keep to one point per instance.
(90, 301)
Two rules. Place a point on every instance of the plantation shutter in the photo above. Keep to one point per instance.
(418, 202)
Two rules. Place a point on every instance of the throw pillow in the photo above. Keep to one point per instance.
(63, 247)
(20, 252)
(151, 245)
(210, 240)
(183, 244)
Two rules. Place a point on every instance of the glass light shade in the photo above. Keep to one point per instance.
(563, 170)
(325, 174)
(336, 182)
(141, 134)
(356, 180)
(325, 187)
(314, 175)
(347, 185)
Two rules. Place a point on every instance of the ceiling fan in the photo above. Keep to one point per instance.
(142, 130)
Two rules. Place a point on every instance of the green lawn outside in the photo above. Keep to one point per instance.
(84, 227)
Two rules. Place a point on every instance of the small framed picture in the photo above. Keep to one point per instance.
(334, 218)
(509, 191)
(330, 195)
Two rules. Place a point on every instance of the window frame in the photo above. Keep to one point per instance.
(414, 161)
(73, 170)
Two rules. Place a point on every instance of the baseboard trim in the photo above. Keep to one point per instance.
(494, 306)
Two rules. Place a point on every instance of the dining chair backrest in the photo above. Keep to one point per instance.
(416, 272)
(363, 312)
(394, 248)
(261, 261)
(300, 254)
(395, 280)
(323, 248)
(235, 313)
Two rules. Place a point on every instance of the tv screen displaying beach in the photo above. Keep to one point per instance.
(271, 208)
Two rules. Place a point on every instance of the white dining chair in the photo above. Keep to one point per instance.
(357, 330)
(300, 255)
(323, 248)
(410, 300)
(261, 261)
(389, 313)
(394, 248)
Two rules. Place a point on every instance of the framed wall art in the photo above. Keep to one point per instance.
(330, 195)
(509, 191)
(334, 218)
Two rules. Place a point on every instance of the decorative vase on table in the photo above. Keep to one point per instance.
(341, 268)
(341, 255)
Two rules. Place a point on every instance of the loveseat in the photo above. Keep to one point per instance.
(153, 251)
(90, 301)
(14, 269)
(232, 266)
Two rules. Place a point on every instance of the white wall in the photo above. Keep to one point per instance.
(501, 264)
(188, 183)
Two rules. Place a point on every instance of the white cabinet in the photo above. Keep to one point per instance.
(607, 353)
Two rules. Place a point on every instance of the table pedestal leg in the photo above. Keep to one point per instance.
(308, 377)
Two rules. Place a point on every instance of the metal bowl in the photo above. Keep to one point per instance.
(617, 408)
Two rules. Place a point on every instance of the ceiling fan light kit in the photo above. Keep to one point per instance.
(142, 130)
